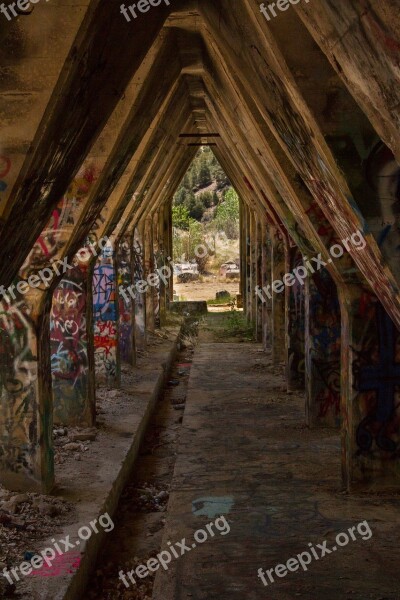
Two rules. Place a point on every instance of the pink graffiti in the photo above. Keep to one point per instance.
(62, 565)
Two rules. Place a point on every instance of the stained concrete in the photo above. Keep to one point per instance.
(244, 449)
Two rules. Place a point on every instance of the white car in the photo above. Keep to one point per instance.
(187, 272)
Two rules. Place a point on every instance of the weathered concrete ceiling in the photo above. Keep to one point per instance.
(295, 127)
(362, 42)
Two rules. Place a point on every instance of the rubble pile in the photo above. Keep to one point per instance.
(147, 498)
(72, 442)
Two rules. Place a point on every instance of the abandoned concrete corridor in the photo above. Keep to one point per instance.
(295, 435)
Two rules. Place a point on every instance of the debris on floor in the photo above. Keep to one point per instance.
(26, 521)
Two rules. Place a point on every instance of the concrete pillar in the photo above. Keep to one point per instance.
(158, 263)
(149, 270)
(140, 295)
(26, 395)
(106, 320)
(278, 270)
(253, 300)
(126, 300)
(246, 272)
(295, 326)
(322, 326)
(165, 280)
(72, 362)
(248, 264)
(370, 378)
(258, 281)
(169, 249)
(243, 253)
(266, 280)
(26, 415)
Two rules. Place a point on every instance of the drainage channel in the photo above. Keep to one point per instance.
(140, 516)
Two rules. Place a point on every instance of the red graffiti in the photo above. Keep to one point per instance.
(383, 38)
(324, 229)
(5, 165)
(104, 343)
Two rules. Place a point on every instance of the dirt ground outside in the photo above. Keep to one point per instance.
(206, 289)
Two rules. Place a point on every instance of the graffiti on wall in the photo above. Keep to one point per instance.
(105, 317)
(376, 371)
(126, 303)
(19, 399)
(57, 231)
(296, 307)
(18, 377)
(325, 330)
(382, 35)
(5, 166)
(323, 227)
(69, 351)
(138, 275)
(278, 300)
(158, 288)
(383, 177)
(157, 264)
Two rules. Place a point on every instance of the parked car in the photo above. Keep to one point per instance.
(229, 270)
(187, 272)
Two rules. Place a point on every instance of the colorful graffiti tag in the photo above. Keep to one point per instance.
(19, 384)
(324, 331)
(105, 315)
(383, 177)
(69, 351)
(376, 371)
(18, 376)
(140, 303)
(5, 166)
(296, 366)
(126, 303)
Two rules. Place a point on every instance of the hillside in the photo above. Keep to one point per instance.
(203, 186)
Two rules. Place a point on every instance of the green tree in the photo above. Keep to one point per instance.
(220, 177)
(194, 177)
(180, 217)
(197, 238)
(180, 196)
(186, 181)
(206, 198)
(197, 210)
(227, 214)
(204, 174)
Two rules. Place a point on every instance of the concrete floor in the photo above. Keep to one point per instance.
(244, 452)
